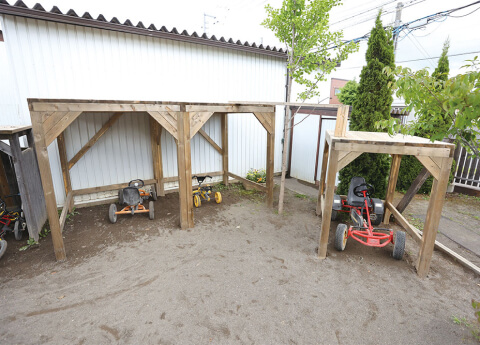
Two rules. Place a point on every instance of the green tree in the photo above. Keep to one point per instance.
(348, 93)
(410, 166)
(313, 51)
(372, 104)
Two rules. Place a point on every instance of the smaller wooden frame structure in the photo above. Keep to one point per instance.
(50, 118)
(26, 172)
(342, 147)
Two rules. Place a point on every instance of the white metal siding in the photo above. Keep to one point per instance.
(52, 60)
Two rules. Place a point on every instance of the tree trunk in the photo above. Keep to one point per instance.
(285, 141)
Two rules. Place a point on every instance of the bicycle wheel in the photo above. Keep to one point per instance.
(3, 247)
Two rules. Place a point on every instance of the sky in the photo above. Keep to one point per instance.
(241, 20)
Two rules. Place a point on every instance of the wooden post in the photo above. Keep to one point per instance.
(224, 125)
(65, 170)
(432, 219)
(270, 165)
(392, 184)
(184, 170)
(342, 120)
(155, 138)
(47, 183)
(323, 175)
(327, 207)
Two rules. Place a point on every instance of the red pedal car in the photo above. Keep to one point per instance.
(365, 211)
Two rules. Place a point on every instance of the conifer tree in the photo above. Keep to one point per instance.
(372, 104)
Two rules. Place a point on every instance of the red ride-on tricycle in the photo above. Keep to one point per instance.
(365, 211)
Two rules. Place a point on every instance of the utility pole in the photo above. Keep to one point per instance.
(398, 17)
(205, 21)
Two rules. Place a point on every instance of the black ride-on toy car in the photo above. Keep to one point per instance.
(365, 212)
(132, 197)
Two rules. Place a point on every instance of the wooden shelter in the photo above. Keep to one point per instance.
(342, 147)
(50, 118)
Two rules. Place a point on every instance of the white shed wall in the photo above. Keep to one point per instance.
(52, 60)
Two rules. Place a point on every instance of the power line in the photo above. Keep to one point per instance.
(366, 11)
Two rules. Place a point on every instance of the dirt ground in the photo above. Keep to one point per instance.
(243, 275)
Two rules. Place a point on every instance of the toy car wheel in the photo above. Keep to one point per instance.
(3, 247)
(151, 211)
(334, 215)
(197, 202)
(111, 213)
(120, 196)
(377, 220)
(218, 197)
(17, 230)
(399, 245)
(341, 236)
(154, 195)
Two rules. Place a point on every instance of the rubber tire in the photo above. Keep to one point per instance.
(111, 213)
(17, 231)
(399, 245)
(3, 247)
(340, 234)
(154, 195)
(151, 210)
(198, 202)
(334, 215)
(218, 197)
(377, 221)
(120, 197)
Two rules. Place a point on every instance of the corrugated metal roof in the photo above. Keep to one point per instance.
(71, 17)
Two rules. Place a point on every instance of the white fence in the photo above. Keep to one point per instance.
(467, 172)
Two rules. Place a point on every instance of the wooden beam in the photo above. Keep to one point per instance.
(392, 184)
(266, 120)
(347, 159)
(432, 219)
(254, 185)
(230, 108)
(210, 140)
(156, 142)
(393, 149)
(5, 148)
(224, 128)
(333, 106)
(323, 179)
(65, 210)
(53, 132)
(270, 159)
(101, 107)
(94, 139)
(47, 183)
(413, 189)
(184, 170)
(412, 231)
(431, 165)
(106, 188)
(342, 121)
(67, 184)
(327, 207)
(167, 120)
(197, 121)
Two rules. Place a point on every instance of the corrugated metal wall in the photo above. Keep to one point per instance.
(52, 60)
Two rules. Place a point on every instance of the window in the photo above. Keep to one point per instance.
(337, 91)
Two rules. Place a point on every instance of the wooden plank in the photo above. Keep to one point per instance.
(393, 149)
(224, 128)
(184, 170)
(197, 121)
(230, 108)
(432, 218)
(294, 104)
(270, 157)
(94, 139)
(156, 142)
(9, 130)
(327, 205)
(464, 262)
(412, 231)
(323, 174)
(165, 120)
(65, 210)
(254, 185)
(342, 121)
(392, 184)
(5, 148)
(60, 126)
(47, 183)
(265, 120)
(67, 184)
(431, 165)
(347, 159)
(413, 189)
(106, 188)
(52, 119)
(101, 107)
(210, 140)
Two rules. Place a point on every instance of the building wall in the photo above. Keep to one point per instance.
(335, 85)
(52, 60)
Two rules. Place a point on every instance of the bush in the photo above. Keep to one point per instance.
(257, 175)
